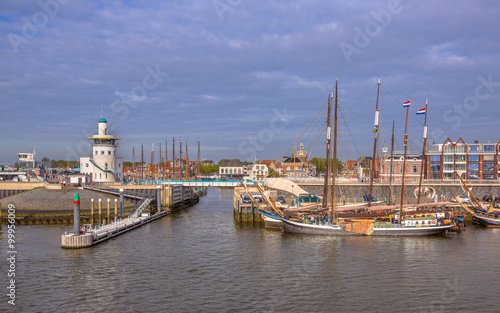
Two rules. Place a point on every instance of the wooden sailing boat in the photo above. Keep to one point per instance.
(421, 225)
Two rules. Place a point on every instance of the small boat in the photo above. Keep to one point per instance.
(271, 220)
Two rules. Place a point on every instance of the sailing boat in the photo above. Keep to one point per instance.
(417, 225)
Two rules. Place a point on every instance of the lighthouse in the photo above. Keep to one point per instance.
(103, 165)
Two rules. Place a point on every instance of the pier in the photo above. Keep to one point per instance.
(165, 200)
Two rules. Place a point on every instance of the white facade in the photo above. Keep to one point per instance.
(258, 171)
(103, 165)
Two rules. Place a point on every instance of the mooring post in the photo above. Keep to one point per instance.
(158, 198)
(107, 221)
(116, 209)
(100, 212)
(76, 214)
(91, 212)
(121, 204)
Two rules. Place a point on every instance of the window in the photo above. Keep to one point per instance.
(489, 148)
(119, 165)
(448, 167)
(460, 149)
(87, 165)
(109, 152)
(473, 158)
(102, 152)
(96, 152)
(435, 158)
(414, 169)
(460, 158)
(106, 175)
(106, 166)
(473, 148)
(460, 167)
(401, 169)
(448, 158)
(382, 169)
(488, 166)
(473, 167)
(448, 148)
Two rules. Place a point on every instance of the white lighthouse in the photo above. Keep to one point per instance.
(103, 165)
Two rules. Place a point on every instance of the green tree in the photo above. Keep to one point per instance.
(45, 159)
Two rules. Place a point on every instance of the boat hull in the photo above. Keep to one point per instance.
(486, 221)
(411, 231)
(334, 230)
(271, 220)
(312, 229)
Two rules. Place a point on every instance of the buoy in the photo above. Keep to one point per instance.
(379, 211)
(433, 221)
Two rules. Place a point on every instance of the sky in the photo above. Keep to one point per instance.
(245, 78)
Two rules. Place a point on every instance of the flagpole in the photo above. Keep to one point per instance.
(372, 173)
(423, 152)
(404, 164)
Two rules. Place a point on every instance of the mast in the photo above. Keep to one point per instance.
(133, 162)
(187, 162)
(404, 160)
(328, 131)
(372, 172)
(173, 157)
(334, 166)
(423, 152)
(152, 160)
(294, 156)
(180, 157)
(142, 161)
(199, 164)
(390, 171)
(159, 161)
(166, 159)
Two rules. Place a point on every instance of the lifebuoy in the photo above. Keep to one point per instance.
(433, 221)
(379, 211)
(457, 213)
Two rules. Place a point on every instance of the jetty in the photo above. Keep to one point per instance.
(165, 200)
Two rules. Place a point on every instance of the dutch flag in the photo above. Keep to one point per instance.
(406, 104)
(421, 111)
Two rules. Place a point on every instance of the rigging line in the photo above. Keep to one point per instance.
(361, 99)
(404, 94)
(315, 125)
(312, 120)
(315, 145)
(349, 131)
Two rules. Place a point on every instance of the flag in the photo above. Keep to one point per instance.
(375, 130)
(421, 111)
(406, 104)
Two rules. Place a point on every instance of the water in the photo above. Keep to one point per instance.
(200, 260)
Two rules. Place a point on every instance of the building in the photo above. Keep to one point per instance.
(258, 171)
(103, 165)
(232, 169)
(412, 172)
(28, 157)
(472, 161)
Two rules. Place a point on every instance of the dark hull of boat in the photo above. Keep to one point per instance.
(311, 229)
(487, 221)
(411, 231)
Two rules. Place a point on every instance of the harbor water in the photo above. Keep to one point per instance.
(200, 260)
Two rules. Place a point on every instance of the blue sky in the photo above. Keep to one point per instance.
(245, 77)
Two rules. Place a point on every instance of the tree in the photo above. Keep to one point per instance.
(45, 159)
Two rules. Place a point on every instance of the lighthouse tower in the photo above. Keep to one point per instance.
(103, 165)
